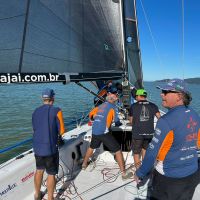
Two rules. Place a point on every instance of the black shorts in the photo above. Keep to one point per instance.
(48, 163)
(138, 145)
(167, 188)
(107, 139)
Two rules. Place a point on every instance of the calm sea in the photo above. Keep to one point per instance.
(19, 101)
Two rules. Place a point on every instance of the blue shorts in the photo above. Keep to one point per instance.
(48, 163)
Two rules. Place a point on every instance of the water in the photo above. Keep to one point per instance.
(19, 101)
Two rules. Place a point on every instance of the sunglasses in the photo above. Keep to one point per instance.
(165, 92)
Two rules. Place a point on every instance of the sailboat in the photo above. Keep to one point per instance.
(72, 41)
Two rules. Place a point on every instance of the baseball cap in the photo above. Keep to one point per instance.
(141, 92)
(113, 90)
(174, 85)
(48, 93)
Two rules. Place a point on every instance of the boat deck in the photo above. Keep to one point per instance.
(102, 180)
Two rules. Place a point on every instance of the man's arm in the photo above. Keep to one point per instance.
(131, 114)
(61, 122)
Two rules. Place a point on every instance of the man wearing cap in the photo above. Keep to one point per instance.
(102, 93)
(103, 117)
(173, 149)
(142, 118)
(48, 124)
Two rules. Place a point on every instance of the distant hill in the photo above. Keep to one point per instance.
(187, 80)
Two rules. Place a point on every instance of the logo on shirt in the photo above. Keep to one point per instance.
(157, 131)
(192, 124)
(156, 140)
(144, 115)
(151, 146)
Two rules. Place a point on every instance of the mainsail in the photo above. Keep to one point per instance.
(82, 38)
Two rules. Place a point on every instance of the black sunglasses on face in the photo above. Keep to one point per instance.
(165, 92)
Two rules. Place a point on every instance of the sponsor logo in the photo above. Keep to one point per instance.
(191, 137)
(192, 124)
(156, 140)
(28, 176)
(188, 148)
(24, 77)
(8, 189)
(129, 39)
(151, 146)
(187, 157)
(157, 131)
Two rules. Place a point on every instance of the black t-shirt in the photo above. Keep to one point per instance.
(143, 113)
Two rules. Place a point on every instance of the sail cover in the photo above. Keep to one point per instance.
(133, 53)
(61, 36)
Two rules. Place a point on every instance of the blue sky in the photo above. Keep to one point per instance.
(165, 20)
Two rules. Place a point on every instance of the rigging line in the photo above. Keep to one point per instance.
(15, 16)
(151, 34)
(183, 42)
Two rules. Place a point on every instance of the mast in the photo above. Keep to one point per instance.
(125, 83)
(133, 52)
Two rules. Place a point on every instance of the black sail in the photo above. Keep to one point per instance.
(133, 54)
(82, 38)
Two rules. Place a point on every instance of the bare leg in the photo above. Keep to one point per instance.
(87, 156)
(38, 177)
(120, 161)
(137, 162)
(51, 183)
